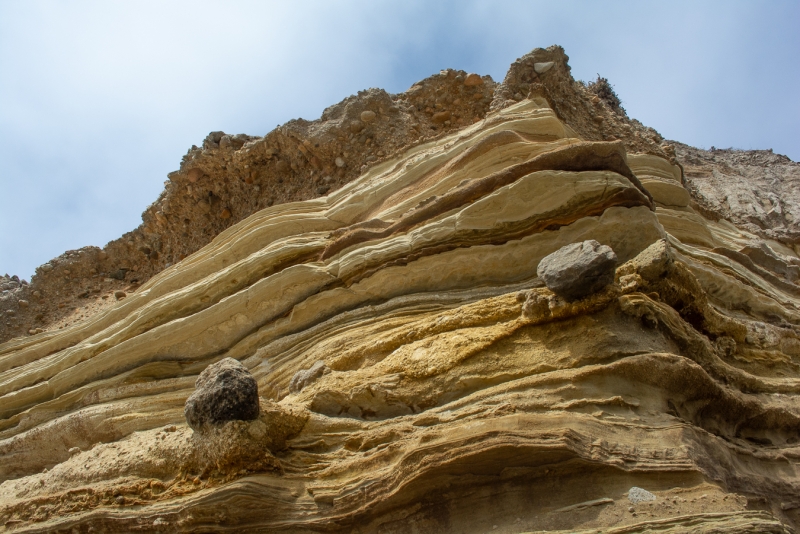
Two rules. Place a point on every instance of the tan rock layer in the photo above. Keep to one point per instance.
(574, 158)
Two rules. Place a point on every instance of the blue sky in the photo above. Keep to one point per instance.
(99, 100)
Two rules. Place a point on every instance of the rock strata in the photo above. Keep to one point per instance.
(578, 270)
(230, 177)
(458, 392)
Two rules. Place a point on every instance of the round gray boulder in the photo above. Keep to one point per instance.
(225, 391)
(578, 270)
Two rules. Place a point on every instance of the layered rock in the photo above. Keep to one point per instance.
(230, 177)
(415, 374)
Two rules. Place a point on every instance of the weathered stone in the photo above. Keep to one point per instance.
(368, 116)
(225, 391)
(119, 295)
(472, 80)
(305, 377)
(542, 67)
(765, 257)
(637, 495)
(441, 117)
(339, 162)
(195, 174)
(578, 270)
(212, 140)
(651, 264)
(234, 142)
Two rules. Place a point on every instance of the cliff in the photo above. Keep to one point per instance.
(376, 272)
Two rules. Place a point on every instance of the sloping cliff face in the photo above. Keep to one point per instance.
(455, 393)
(230, 177)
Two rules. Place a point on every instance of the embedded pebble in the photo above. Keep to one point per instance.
(543, 67)
(339, 162)
(637, 495)
(120, 294)
(368, 116)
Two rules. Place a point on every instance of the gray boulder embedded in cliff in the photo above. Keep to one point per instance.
(578, 270)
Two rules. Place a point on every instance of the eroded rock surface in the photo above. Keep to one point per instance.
(305, 377)
(458, 393)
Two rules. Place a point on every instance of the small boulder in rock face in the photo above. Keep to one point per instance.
(441, 117)
(578, 270)
(305, 377)
(637, 495)
(225, 391)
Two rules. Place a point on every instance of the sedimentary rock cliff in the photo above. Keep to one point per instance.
(415, 374)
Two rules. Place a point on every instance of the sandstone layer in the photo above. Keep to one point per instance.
(415, 375)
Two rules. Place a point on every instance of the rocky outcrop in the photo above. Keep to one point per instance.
(456, 392)
(756, 190)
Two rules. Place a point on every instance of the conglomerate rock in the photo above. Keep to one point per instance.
(456, 392)
(225, 391)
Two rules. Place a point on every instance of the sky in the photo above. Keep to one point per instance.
(100, 100)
